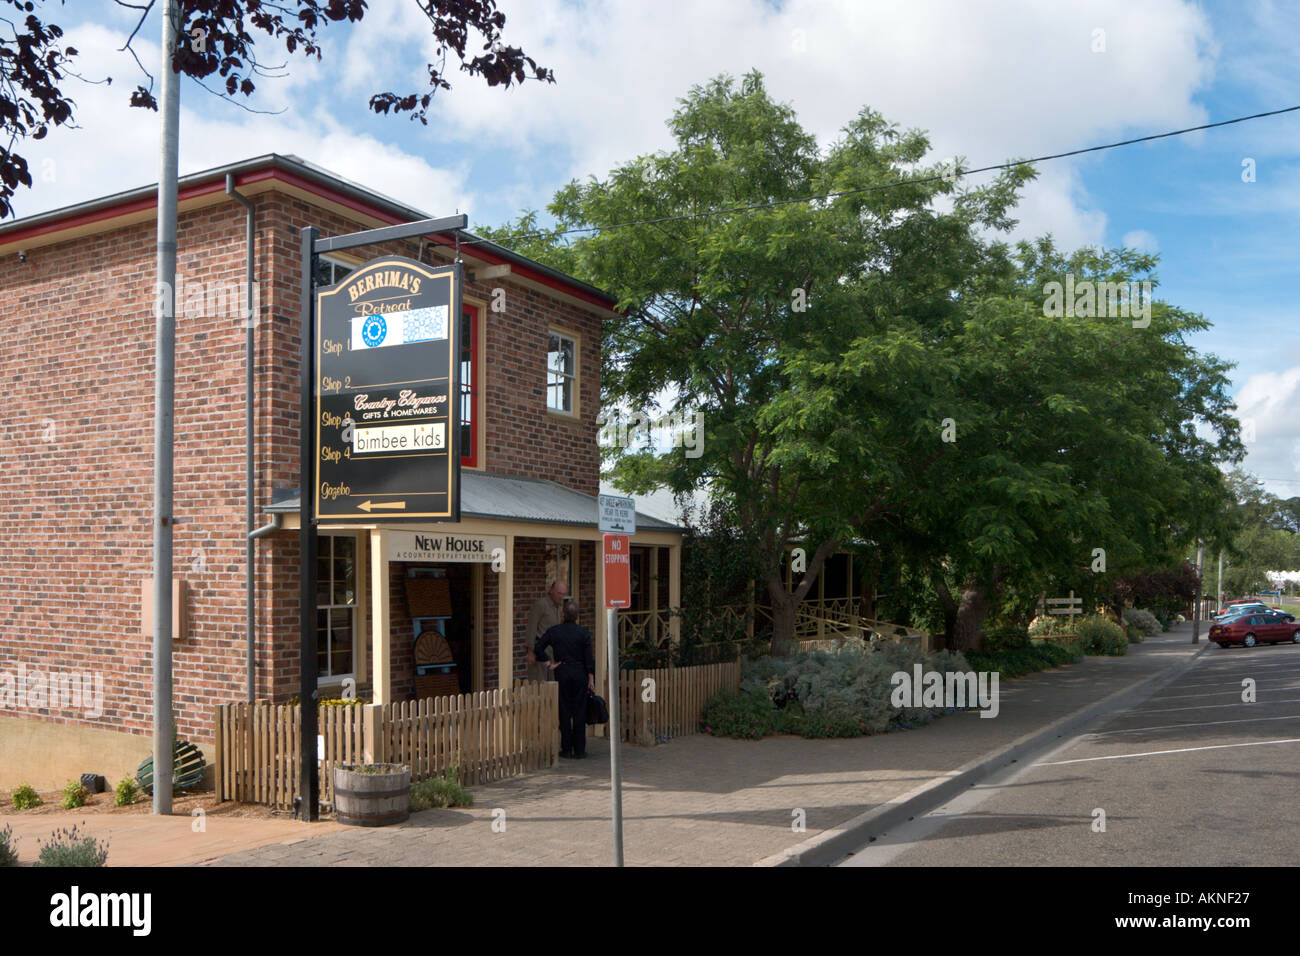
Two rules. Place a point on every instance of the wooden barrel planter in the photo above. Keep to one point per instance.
(372, 795)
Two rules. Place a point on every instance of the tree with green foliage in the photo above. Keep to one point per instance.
(1086, 445)
(788, 323)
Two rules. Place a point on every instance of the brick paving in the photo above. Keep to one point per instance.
(704, 801)
(145, 840)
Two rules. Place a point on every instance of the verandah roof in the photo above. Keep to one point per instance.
(511, 498)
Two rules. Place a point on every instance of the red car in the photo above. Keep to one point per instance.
(1252, 629)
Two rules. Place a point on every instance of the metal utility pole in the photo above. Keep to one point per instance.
(1196, 609)
(1219, 599)
(163, 415)
(615, 771)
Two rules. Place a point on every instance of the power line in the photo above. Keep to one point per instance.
(726, 211)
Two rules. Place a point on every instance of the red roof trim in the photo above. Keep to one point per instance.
(308, 185)
(111, 212)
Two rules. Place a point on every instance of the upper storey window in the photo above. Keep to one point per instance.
(561, 373)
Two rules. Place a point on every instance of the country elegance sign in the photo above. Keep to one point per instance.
(387, 380)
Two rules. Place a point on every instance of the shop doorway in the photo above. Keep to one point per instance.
(440, 599)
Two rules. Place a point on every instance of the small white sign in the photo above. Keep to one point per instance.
(376, 440)
(320, 746)
(615, 514)
(399, 328)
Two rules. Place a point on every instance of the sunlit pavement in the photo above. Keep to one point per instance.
(1193, 775)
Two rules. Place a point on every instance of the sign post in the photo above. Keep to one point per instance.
(617, 523)
(379, 440)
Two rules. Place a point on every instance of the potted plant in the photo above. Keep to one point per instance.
(372, 794)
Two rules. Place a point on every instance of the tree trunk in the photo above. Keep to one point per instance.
(972, 612)
(783, 608)
(785, 603)
(949, 605)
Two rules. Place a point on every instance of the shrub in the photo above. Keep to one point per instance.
(8, 855)
(1102, 636)
(1145, 621)
(67, 847)
(1046, 624)
(74, 795)
(24, 798)
(746, 714)
(1005, 637)
(844, 691)
(820, 725)
(440, 791)
(126, 793)
(1019, 661)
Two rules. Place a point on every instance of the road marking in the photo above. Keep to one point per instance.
(1232, 680)
(1236, 703)
(1205, 723)
(1204, 693)
(1183, 750)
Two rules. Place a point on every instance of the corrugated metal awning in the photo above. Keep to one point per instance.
(510, 498)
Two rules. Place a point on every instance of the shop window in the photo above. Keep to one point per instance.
(336, 604)
(561, 373)
(469, 385)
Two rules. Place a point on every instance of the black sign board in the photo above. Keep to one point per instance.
(387, 390)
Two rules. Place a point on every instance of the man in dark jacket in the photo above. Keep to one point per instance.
(575, 671)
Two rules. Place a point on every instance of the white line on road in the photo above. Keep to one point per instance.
(1183, 750)
(1204, 723)
(1236, 703)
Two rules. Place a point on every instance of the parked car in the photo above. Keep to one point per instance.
(1250, 629)
(1246, 607)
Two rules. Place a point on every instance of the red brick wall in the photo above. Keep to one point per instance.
(78, 362)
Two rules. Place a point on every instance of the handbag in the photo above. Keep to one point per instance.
(597, 709)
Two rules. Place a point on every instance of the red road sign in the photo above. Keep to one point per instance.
(618, 571)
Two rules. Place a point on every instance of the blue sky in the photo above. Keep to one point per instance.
(988, 80)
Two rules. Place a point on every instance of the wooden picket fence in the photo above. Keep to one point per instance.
(488, 736)
(680, 695)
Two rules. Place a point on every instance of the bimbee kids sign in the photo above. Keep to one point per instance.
(387, 381)
(443, 548)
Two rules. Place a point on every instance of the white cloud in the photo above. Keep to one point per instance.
(988, 81)
(1268, 405)
(1140, 240)
(115, 147)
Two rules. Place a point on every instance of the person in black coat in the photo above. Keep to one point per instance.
(575, 671)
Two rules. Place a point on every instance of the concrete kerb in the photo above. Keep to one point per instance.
(836, 843)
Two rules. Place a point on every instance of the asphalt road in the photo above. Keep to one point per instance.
(1192, 775)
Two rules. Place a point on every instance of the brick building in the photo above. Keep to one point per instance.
(76, 294)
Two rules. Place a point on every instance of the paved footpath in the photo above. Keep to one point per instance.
(139, 839)
(704, 801)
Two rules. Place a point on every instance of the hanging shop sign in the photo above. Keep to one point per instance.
(387, 381)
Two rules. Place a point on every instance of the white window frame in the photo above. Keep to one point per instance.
(573, 380)
(330, 679)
